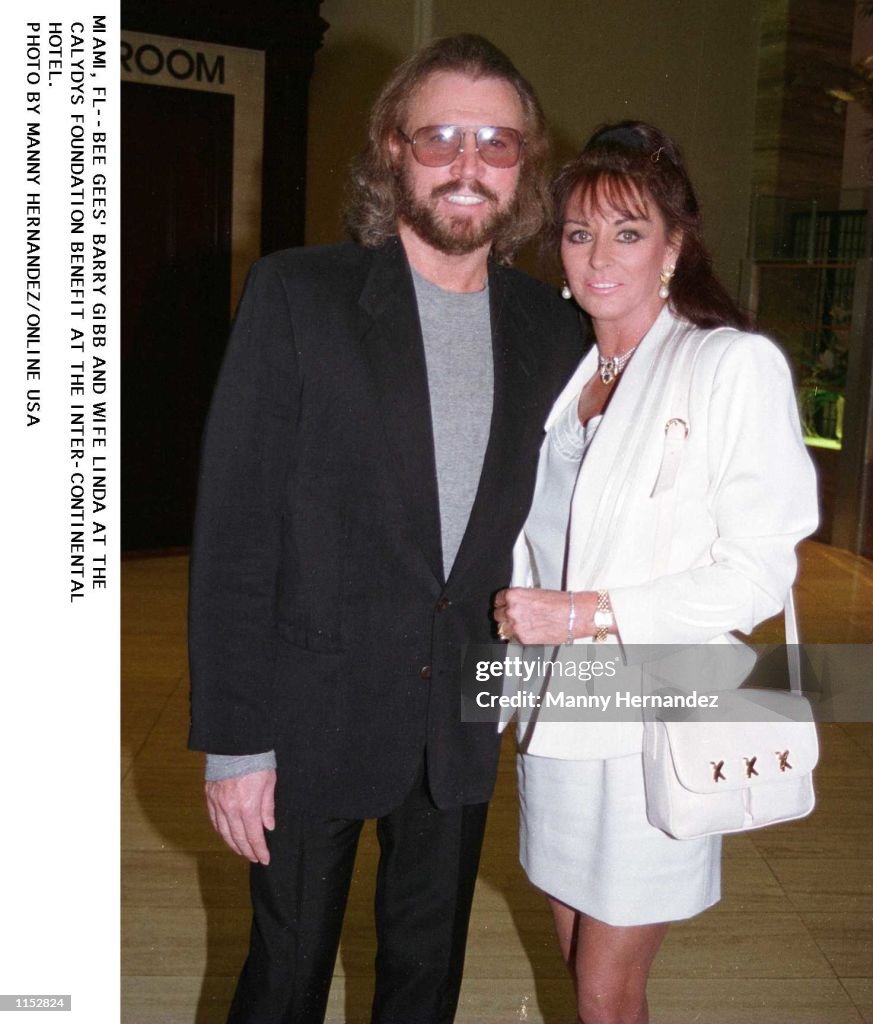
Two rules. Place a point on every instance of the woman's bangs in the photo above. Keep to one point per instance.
(603, 192)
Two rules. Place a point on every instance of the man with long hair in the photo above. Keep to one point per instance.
(368, 463)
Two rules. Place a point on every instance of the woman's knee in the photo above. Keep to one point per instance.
(612, 998)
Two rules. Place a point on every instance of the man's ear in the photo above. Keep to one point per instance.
(395, 149)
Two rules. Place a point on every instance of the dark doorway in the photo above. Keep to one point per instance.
(177, 150)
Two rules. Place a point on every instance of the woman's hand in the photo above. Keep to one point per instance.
(534, 616)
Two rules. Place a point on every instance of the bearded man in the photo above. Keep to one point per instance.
(368, 462)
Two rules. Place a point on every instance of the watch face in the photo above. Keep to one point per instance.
(603, 619)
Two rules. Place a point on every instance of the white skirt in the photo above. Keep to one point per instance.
(586, 841)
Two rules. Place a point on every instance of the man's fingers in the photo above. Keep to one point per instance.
(268, 808)
(222, 823)
(225, 830)
(256, 841)
(243, 836)
(248, 836)
(237, 808)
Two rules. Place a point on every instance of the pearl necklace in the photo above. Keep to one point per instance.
(610, 368)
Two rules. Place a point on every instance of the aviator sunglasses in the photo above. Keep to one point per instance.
(438, 144)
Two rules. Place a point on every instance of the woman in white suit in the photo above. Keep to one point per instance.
(643, 533)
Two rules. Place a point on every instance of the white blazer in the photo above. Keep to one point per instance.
(744, 495)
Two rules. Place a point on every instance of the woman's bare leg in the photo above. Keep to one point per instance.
(610, 965)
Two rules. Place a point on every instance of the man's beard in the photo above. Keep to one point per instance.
(454, 236)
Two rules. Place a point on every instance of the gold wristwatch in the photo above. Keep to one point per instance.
(604, 620)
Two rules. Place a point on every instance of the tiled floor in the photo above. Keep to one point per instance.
(791, 943)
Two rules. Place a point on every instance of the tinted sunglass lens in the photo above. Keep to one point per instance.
(499, 147)
(437, 145)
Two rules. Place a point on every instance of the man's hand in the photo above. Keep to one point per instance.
(240, 809)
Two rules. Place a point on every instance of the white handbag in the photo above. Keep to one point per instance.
(750, 767)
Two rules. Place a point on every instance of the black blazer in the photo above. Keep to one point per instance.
(320, 622)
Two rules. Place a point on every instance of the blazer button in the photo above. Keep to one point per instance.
(442, 604)
(426, 673)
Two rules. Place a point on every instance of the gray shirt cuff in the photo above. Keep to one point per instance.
(229, 766)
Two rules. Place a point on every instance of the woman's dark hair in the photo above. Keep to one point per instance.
(625, 166)
(372, 192)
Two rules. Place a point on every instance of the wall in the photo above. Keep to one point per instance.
(364, 43)
(229, 69)
(805, 50)
(858, 153)
(690, 66)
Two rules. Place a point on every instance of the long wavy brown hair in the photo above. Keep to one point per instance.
(372, 192)
(628, 164)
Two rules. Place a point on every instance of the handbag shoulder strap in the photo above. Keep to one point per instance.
(792, 644)
(676, 431)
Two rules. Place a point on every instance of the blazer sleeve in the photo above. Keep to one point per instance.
(761, 494)
(247, 448)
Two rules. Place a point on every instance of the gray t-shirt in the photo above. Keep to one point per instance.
(456, 328)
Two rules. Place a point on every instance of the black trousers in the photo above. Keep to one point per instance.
(424, 889)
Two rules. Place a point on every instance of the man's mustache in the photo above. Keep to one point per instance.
(476, 187)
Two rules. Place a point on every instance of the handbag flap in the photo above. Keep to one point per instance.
(763, 736)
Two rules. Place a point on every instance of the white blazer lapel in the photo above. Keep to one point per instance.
(618, 455)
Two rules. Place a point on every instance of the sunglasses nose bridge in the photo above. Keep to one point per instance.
(461, 151)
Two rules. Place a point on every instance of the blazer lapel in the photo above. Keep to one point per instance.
(515, 368)
(393, 345)
(615, 452)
